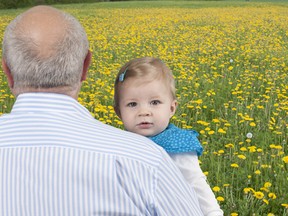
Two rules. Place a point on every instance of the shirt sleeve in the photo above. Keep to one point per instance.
(173, 195)
(190, 169)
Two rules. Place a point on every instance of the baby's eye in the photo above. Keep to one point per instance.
(132, 104)
(155, 102)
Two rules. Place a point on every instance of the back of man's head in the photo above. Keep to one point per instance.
(44, 48)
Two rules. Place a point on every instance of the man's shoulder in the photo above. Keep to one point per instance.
(124, 143)
(76, 131)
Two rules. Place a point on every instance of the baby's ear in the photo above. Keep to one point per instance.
(173, 107)
(117, 111)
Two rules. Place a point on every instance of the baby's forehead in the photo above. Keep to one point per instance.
(144, 80)
(145, 89)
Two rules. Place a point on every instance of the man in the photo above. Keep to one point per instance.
(55, 158)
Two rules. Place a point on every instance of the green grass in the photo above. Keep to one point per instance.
(182, 4)
(230, 62)
(161, 4)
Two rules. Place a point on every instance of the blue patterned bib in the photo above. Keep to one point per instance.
(176, 140)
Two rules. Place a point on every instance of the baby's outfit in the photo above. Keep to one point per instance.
(184, 148)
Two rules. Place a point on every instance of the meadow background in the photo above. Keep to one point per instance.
(230, 61)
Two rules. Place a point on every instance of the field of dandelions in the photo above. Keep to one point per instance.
(231, 66)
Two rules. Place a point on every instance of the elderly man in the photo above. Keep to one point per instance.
(55, 158)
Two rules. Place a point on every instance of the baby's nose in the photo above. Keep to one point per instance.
(144, 112)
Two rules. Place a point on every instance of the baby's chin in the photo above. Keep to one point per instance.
(146, 133)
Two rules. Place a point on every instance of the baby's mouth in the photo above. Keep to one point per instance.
(144, 124)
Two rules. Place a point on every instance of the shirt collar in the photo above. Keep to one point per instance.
(176, 140)
(48, 102)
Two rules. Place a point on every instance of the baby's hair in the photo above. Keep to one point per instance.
(146, 69)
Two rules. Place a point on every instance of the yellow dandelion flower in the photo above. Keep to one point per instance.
(259, 150)
(234, 214)
(285, 159)
(120, 123)
(220, 130)
(216, 189)
(248, 140)
(247, 190)
(259, 195)
(264, 189)
(267, 202)
(229, 145)
(220, 151)
(243, 157)
(108, 121)
(215, 120)
(252, 148)
(285, 205)
(267, 184)
(257, 172)
(243, 149)
(203, 123)
(272, 195)
(220, 198)
(278, 147)
(211, 132)
(234, 165)
(252, 124)
(273, 146)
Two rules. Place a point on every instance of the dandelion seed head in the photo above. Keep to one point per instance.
(249, 135)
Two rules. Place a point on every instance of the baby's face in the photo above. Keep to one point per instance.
(146, 108)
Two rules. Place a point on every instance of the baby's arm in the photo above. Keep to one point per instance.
(190, 168)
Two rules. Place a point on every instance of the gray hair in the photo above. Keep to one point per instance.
(63, 68)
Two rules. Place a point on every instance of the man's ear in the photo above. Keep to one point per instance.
(87, 62)
(173, 107)
(9, 76)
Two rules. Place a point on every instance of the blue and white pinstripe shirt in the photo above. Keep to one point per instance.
(56, 159)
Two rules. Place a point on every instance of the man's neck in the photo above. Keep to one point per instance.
(69, 91)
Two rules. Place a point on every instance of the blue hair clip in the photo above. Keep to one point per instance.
(122, 75)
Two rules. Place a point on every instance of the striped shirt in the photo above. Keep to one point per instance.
(56, 159)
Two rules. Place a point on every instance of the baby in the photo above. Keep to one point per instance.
(145, 100)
